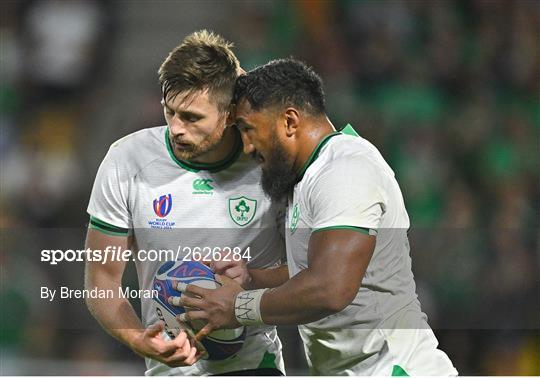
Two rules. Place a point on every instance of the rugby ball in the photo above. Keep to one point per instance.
(220, 344)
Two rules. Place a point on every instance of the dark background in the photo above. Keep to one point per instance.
(449, 91)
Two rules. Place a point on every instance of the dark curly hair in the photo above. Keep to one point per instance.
(286, 82)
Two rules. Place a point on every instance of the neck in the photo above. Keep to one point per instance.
(222, 151)
(310, 138)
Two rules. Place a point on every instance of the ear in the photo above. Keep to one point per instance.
(231, 115)
(292, 120)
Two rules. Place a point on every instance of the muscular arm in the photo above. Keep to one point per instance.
(116, 315)
(337, 262)
(270, 277)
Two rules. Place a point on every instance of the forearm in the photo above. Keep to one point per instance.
(269, 277)
(302, 299)
(116, 315)
(337, 262)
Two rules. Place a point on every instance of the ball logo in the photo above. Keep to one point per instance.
(186, 270)
(219, 344)
(163, 205)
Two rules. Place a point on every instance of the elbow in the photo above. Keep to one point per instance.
(335, 305)
(337, 298)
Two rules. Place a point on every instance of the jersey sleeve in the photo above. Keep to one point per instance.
(108, 206)
(347, 194)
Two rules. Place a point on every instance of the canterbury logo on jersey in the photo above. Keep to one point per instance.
(202, 186)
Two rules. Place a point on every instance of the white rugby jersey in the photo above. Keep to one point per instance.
(141, 188)
(346, 183)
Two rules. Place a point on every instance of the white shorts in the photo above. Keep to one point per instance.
(381, 352)
(411, 352)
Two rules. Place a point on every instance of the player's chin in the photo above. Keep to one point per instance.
(185, 154)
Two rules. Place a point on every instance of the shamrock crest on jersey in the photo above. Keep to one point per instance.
(242, 210)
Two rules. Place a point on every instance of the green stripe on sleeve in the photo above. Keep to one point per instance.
(107, 228)
(358, 229)
(111, 233)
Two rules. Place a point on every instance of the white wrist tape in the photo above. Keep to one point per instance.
(247, 307)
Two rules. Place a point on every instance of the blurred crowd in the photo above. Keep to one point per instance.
(449, 91)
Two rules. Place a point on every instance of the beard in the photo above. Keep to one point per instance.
(278, 177)
(193, 151)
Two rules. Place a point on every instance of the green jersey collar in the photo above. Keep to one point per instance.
(211, 167)
(315, 154)
(347, 130)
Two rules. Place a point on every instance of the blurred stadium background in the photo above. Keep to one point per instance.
(449, 91)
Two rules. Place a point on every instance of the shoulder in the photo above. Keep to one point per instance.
(138, 149)
(145, 138)
(348, 158)
(352, 148)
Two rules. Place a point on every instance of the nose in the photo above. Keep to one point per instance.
(176, 126)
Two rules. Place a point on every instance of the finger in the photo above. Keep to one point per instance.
(180, 286)
(193, 289)
(155, 329)
(192, 302)
(214, 261)
(179, 358)
(186, 301)
(189, 355)
(191, 359)
(175, 301)
(201, 350)
(205, 331)
(180, 339)
(165, 348)
(182, 323)
(225, 281)
(201, 354)
(233, 272)
(191, 316)
(186, 348)
(221, 266)
(166, 351)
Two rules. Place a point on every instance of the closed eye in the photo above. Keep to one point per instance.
(243, 127)
(190, 117)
